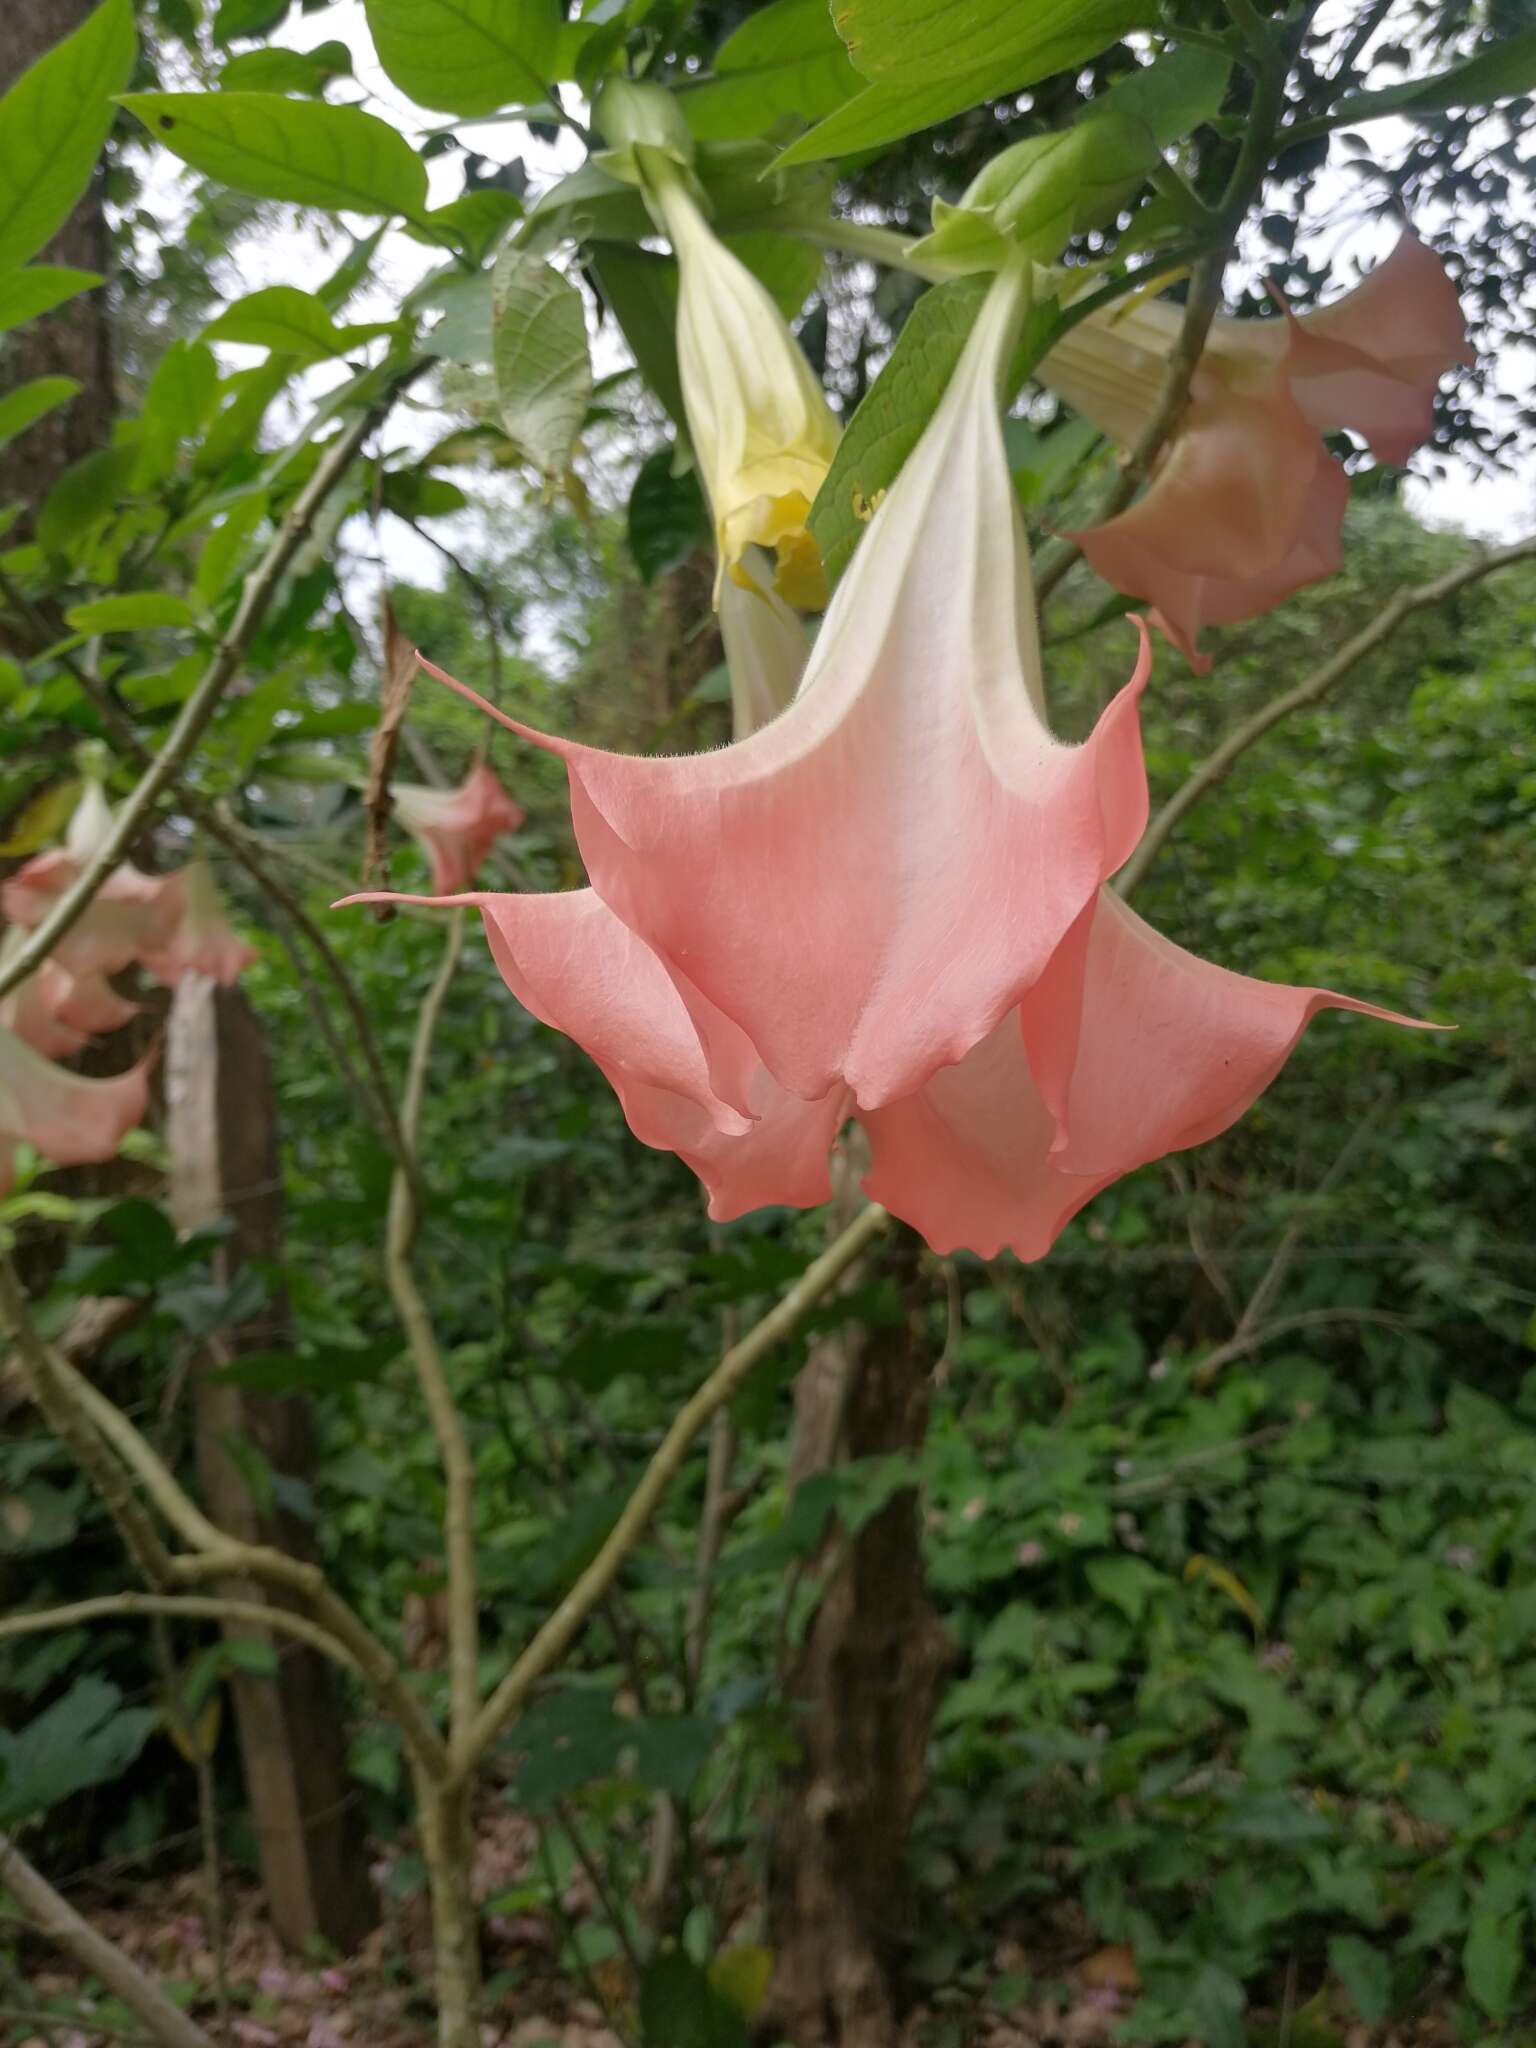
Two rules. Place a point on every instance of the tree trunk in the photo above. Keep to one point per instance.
(76, 340)
(448, 1847)
(867, 1680)
(221, 1128)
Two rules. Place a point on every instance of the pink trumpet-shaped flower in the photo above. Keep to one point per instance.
(1246, 505)
(456, 828)
(131, 913)
(865, 886)
(203, 941)
(70, 1120)
(1011, 1036)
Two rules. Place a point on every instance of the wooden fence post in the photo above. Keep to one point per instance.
(221, 1126)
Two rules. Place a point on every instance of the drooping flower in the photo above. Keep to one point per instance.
(888, 902)
(70, 1120)
(1246, 505)
(763, 434)
(131, 914)
(456, 828)
(203, 941)
(865, 886)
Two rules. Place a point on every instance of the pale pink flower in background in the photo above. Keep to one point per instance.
(131, 913)
(456, 828)
(203, 941)
(56, 1012)
(70, 1120)
(1246, 504)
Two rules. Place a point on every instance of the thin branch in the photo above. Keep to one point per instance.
(45, 1372)
(416, 1320)
(200, 706)
(53, 1915)
(181, 1607)
(1311, 690)
(1284, 1326)
(92, 1427)
(557, 1634)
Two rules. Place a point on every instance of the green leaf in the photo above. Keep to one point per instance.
(226, 545)
(1175, 94)
(539, 354)
(1492, 1960)
(1502, 71)
(53, 122)
(291, 322)
(86, 1738)
(471, 56)
(670, 1750)
(309, 1372)
(789, 269)
(337, 158)
(1127, 1583)
(928, 59)
(667, 518)
(27, 293)
(785, 62)
(885, 428)
(279, 70)
(19, 409)
(1365, 1973)
(134, 612)
(640, 287)
(475, 221)
(680, 2008)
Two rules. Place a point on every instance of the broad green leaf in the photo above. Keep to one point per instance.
(280, 70)
(1127, 1583)
(27, 293)
(1171, 96)
(86, 1738)
(786, 62)
(247, 18)
(182, 393)
(928, 59)
(1503, 70)
(885, 428)
(472, 56)
(131, 613)
(539, 354)
(475, 221)
(788, 268)
(1493, 1959)
(226, 545)
(1366, 1974)
(640, 287)
(289, 322)
(21, 408)
(667, 518)
(337, 158)
(85, 496)
(53, 122)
